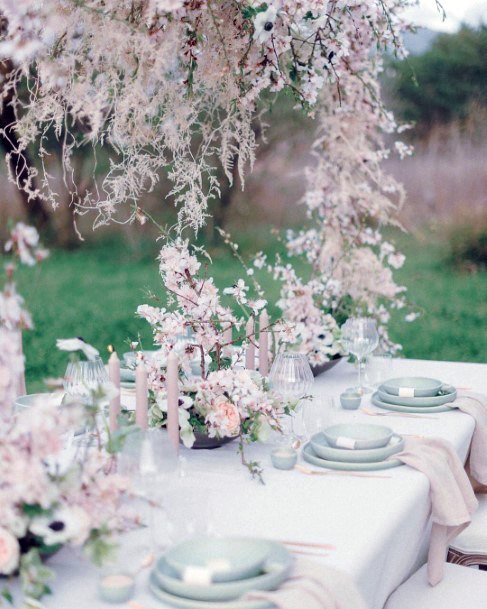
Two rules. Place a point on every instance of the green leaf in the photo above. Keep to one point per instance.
(6, 595)
(33, 509)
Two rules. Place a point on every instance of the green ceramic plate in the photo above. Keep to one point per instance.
(275, 571)
(310, 456)
(127, 374)
(422, 386)
(423, 409)
(127, 385)
(365, 435)
(438, 400)
(322, 449)
(189, 603)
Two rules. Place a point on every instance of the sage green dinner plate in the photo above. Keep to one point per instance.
(376, 401)
(311, 457)
(275, 570)
(450, 395)
(189, 603)
(322, 449)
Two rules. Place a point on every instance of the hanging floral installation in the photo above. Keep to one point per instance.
(178, 85)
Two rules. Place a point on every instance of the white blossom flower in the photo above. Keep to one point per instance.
(77, 344)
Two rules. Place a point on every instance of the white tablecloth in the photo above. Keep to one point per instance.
(380, 527)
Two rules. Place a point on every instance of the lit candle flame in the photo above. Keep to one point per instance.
(110, 349)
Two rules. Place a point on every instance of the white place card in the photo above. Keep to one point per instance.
(406, 392)
(197, 576)
(344, 442)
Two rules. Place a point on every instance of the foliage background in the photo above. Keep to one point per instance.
(92, 288)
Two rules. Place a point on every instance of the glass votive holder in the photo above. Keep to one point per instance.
(284, 457)
(350, 400)
(116, 587)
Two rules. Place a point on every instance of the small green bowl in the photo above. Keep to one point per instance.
(350, 400)
(227, 558)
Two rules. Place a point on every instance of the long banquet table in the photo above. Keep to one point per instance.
(380, 527)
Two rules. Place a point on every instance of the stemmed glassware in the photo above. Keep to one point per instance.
(360, 338)
(292, 379)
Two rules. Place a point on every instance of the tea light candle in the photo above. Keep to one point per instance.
(116, 588)
(284, 457)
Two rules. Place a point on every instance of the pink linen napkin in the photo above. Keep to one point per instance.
(475, 404)
(452, 498)
(313, 586)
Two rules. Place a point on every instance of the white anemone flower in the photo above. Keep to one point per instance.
(67, 524)
(77, 344)
(264, 25)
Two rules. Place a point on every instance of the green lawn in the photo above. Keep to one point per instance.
(94, 291)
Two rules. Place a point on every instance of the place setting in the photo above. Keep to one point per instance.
(417, 395)
(218, 572)
(354, 447)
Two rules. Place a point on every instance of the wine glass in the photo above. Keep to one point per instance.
(292, 379)
(360, 338)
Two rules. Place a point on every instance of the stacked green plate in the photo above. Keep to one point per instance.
(426, 395)
(262, 565)
(354, 446)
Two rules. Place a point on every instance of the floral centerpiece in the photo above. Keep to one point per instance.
(220, 398)
(51, 497)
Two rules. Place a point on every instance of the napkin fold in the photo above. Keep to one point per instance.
(313, 586)
(475, 404)
(452, 498)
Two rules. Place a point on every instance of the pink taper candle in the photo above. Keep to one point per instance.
(141, 402)
(114, 376)
(21, 389)
(263, 343)
(250, 353)
(173, 399)
(227, 335)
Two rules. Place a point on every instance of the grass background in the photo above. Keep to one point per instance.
(94, 291)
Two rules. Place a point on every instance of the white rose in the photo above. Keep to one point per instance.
(9, 552)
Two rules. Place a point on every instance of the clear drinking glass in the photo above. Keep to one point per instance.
(318, 414)
(151, 462)
(360, 338)
(83, 377)
(292, 379)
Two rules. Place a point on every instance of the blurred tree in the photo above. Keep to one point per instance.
(443, 83)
